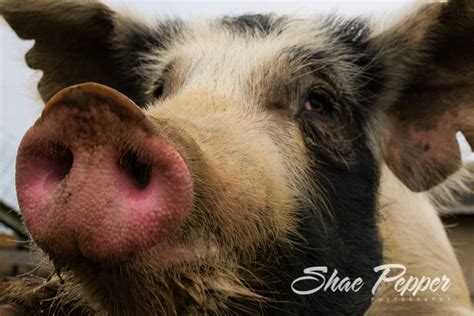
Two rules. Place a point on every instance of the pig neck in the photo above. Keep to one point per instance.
(412, 233)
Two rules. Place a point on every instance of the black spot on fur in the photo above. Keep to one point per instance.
(345, 239)
(140, 40)
(143, 38)
(255, 24)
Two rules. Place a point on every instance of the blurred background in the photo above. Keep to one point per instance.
(20, 105)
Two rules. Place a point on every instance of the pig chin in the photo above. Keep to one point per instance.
(199, 286)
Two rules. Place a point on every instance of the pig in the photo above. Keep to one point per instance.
(199, 167)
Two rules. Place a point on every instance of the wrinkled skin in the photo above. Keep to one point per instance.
(265, 137)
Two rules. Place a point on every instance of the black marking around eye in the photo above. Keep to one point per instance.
(254, 24)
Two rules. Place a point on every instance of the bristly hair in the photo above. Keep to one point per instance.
(450, 193)
(355, 33)
(254, 24)
(135, 42)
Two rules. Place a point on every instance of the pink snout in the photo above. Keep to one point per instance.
(96, 179)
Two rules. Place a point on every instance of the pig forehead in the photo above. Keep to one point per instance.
(228, 54)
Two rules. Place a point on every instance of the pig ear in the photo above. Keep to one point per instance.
(431, 55)
(72, 42)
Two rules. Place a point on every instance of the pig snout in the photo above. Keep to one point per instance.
(96, 179)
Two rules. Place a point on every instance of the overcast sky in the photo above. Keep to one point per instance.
(21, 105)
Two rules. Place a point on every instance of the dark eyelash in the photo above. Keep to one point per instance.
(159, 89)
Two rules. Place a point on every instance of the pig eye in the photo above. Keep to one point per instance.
(318, 103)
(158, 92)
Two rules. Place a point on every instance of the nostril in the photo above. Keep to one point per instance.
(41, 169)
(136, 170)
(61, 160)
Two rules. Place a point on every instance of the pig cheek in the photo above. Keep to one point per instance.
(242, 209)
